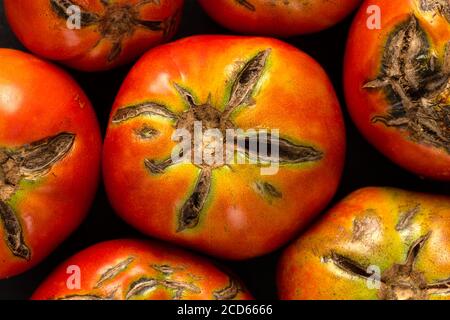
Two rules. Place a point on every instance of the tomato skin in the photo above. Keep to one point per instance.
(236, 222)
(363, 63)
(90, 47)
(278, 19)
(143, 259)
(375, 227)
(38, 100)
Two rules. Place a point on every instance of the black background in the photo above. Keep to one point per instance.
(364, 165)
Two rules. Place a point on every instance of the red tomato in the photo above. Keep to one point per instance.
(397, 82)
(93, 35)
(49, 159)
(227, 209)
(138, 270)
(278, 17)
(378, 243)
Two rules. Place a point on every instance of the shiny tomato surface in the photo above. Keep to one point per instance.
(232, 210)
(50, 149)
(397, 82)
(378, 243)
(93, 35)
(278, 17)
(139, 270)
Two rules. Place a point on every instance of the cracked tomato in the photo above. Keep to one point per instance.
(236, 204)
(139, 270)
(397, 82)
(50, 149)
(93, 35)
(280, 17)
(378, 243)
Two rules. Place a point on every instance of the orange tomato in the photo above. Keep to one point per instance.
(50, 148)
(397, 82)
(378, 243)
(232, 210)
(93, 35)
(139, 270)
(278, 17)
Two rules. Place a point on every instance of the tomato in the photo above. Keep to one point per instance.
(232, 209)
(93, 35)
(378, 243)
(139, 270)
(397, 82)
(278, 18)
(50, 148)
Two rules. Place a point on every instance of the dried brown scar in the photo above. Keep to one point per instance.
(114, 271)
(228, 293)
(144, 285)
(246, 4)
(28, 162)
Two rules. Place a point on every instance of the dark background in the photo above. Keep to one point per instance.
(364, 166)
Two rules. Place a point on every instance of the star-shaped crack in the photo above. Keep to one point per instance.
(417, 84)
(118, 21)
(242, 91)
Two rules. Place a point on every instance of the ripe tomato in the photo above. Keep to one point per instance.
(93, 35)
(397, 82)
(221, 83)
(50, 148)
(139, 270)
(378, 243)
(278, 18)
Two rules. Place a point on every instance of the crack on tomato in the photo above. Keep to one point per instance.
(147, 133)
(440, 7)
(113, 272)
(407, 217)
(167, 270)
(143, 109)
(118, 22)
(144, 285)
(28, 162)
(190, 212)
(399, 282)
(347, 265)
(268, 190)
(249, 5)
(288, 152)
(246, 4)
(14, 233)
(230, 292)
(243, 87)
(417, 85)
